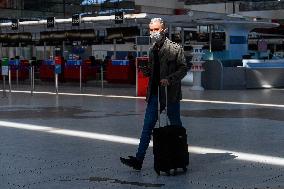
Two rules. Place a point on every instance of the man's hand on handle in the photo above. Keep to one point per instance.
(164, 82)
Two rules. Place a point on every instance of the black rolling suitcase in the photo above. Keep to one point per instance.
(170, 147)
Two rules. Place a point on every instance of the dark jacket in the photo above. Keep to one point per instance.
(172, 67)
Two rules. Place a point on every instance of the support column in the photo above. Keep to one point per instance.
(1, 51)
(170, 32)
(114, 48)
(236, 40)
(44, 51)
(182, 36)
(210, 38)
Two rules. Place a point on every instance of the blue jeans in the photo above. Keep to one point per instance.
(151, 117)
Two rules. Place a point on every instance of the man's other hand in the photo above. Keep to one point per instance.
(164, 82)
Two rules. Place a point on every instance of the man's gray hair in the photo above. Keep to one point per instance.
(158, 20)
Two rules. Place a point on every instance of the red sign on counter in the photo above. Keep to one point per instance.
(142, 80)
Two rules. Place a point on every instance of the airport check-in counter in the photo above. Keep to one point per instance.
(243, 74)
(223, 75)
(264, 73)
(121, 71)
(22, 66)
(72, 70)
(47, 69)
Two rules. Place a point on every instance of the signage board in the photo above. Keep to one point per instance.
(15, 24)
(57, 68)
(118, 19)
(5, 70)
(76, 20)
(238, 40)
(50, 22)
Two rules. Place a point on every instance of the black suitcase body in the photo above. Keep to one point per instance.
(170, 149)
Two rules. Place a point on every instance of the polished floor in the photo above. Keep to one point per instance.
(74, 140)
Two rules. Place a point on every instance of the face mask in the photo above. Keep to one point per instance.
(156, 36)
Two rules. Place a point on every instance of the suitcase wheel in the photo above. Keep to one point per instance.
(157, 171)
(168, 173)
(175, 172)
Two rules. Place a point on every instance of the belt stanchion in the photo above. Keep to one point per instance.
(10, 80)
(136, 76)
(4, 86)
(102, 76)
(5, 72)
(57, 70)
(56, 83)
(80, 78)
(33, 85)
(17, 66)
(32, 79)
(32, 76)
(17, 77)
(33, 62)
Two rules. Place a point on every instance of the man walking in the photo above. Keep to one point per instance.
(166, 67)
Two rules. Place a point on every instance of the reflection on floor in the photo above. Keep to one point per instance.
(75, 141)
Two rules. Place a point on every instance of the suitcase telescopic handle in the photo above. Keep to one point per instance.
(166, 108)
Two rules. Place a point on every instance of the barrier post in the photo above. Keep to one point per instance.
(17, 64)
(10, 80)
(32, 74)
(57, 70)
(136, 75)
(4, 87)
(102, 76)
(32, 79)
(33, 85)
(80, 78)
(5, 72)
(44, 51)
(56, 83)
(17, 77)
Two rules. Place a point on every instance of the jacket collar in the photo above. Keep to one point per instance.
(164, 46)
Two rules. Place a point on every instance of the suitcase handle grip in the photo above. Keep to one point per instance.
(166, 108)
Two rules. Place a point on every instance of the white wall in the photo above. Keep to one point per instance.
(157, 3)
(156, 10)
(228, 8)
(214, 7)
(273, 14)
(159, 6)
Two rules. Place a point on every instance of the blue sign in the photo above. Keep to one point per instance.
(15, 62)
(74, 62)
(78, 50)
(238, 40)
(120, 62)
(49, 62)
(57, 68)
(5, 70)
